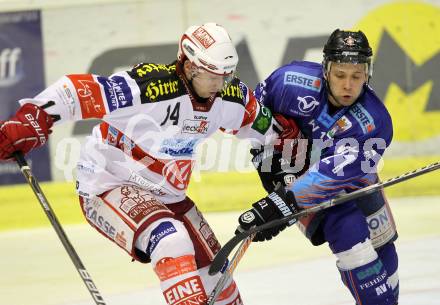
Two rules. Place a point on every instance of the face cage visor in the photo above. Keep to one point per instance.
(208, 77)
(349, 58)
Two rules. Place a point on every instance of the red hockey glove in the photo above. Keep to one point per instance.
(28, 129)
(288, 130)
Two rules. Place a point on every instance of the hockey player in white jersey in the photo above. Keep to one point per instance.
(134, 169)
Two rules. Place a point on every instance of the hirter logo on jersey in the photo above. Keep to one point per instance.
(195, 126)
(187, 292)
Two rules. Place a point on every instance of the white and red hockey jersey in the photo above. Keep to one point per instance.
(150, 126)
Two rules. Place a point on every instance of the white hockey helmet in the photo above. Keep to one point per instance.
(208, 47)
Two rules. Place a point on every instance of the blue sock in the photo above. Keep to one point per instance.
(368, 284)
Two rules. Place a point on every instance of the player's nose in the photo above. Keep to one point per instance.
(348, 84)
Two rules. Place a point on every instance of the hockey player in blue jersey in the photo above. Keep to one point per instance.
(349, 129)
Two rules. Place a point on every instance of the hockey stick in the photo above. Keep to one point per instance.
(25, 169)
(224, 252)
(230, 269)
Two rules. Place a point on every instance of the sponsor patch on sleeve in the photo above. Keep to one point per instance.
(117, 92)
(89, 95)
(263, 120)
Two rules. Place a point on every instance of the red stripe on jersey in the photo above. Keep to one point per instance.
(89, 95)
(177, 172)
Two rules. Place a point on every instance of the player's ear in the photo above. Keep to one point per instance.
(187, 69)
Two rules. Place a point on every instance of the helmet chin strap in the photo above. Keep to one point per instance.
(329, 90)
(330, 93)
(189, 86)
(193, 91)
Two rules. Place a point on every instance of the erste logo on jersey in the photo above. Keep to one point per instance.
(153, 188)
(363, 117)
(117, 92)
(195, 126)
(303, 80)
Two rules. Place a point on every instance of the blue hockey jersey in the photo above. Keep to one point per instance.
(347, 144)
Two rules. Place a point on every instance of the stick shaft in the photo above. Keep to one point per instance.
(230, 269)
(33, 183)
(224, 252)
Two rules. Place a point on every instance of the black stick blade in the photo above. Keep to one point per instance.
(222, 255)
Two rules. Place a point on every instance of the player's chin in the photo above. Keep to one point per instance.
(207, 94)
(346, 100)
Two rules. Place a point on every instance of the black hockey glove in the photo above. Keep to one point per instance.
(276, 205)
(274, 166)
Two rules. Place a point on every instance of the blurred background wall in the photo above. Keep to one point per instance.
(105, 36)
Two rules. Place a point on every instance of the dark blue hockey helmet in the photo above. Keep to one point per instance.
(348, 47)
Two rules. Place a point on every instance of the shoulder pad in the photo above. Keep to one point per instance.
(363, 117)
(304, 74)
(235, 92)
(372, 114)
(146, 70)
(157, 82)
(296, 89)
